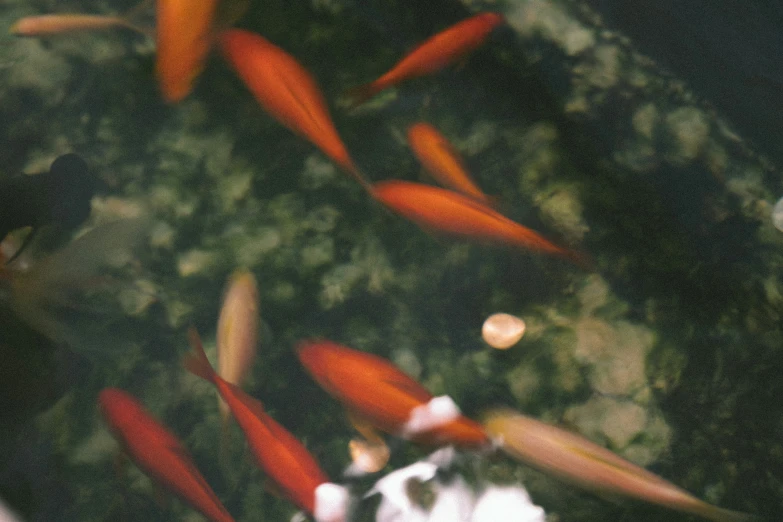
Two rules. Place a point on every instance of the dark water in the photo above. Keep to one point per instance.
(667, 351)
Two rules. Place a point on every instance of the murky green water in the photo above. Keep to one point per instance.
(667, 351)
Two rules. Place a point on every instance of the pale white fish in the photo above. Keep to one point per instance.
(237, 332)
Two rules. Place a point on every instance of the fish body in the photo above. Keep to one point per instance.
(375, 390)
(286, 91)
(185, 33)
(62, 24)
(159, 453)
(284, 459)
(442, 161)
(446, 211)
(435, 53)
(237, 331)
(579, 461)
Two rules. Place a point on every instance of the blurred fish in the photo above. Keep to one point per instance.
(49, 294)
(445, 211)
(158, 453)
(185, 34)
(50, 25)
(282, 457)
(288, 92)
(575, 459)
(68, 23)
(374, 389)
(237, 332)
(436, 53)
(60, 197)
(442, 161)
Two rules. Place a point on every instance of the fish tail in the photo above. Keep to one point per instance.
(581, 259)
(355, 96)
(718, 514)
(196, 361)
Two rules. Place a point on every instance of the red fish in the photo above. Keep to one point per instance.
(185, 33)
(446, 211)
(379, 392)
(287, 91)
(284, 459)
(443, 161)
(439, 51)
(158, 452)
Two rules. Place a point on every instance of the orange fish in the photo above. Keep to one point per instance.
(158, 452)
(442, 161)
(379, 392)
(284, 459)
(446, 211)
(579, 461)
(185, 33)
(287, 91)
(439, 51)
(60, 24)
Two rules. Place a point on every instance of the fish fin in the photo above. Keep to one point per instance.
(581, 259)
(412, 388)
(196, 361)
(364, 427)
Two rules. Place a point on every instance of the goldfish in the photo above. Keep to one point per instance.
(374, 389)
(575, 459)
(452, 213)
(284, 459)
(288, 92)
(159, 453)
(60, 198)
(434, 54)
(237, 331)
(185, 34)
(442, 161)
(62, 24)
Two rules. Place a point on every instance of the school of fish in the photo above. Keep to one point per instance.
(375, 393)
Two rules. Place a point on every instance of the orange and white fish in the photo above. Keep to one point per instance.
(185, 34)
(158, 453)
(436, 53)
(373, 389)
(282, 457)
(445, 211)
(579, 461)
(288, 92)
(237, 331)
(67, 23)
(442, 161)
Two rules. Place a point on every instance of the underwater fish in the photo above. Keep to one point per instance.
(237, 332)
(442, 161)
(288, 92)
(436, 53)
(68, 23)
(445, 211)
(60, 197)
(185, 34)
(372, 388)
(49, 294)
(282, 457)
(158, 453)
(575, 459)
